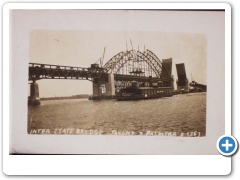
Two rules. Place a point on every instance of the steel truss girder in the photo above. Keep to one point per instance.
(45, 71)
(114, 65)
(118, 61)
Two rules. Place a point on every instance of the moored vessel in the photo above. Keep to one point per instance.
(136, 92)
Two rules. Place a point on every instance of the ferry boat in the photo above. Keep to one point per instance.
(136, 92)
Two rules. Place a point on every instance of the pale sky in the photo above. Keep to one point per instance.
(82, 48)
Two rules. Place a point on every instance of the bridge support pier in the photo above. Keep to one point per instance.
(172, 82)
(103, 89)
(34, 99)
(182, 87)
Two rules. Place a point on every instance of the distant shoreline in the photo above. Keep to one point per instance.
(82, 96)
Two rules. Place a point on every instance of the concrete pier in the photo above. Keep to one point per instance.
(182, 88)
(103, 89)
(110, 85)
(34, 99)
(172, 82)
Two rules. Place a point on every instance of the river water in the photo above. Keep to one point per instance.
(180, 115)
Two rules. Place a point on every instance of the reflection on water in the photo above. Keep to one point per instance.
(178, 114)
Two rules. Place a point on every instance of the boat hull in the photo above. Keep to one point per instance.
(136, 98)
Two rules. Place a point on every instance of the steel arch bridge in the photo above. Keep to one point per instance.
(126, 66)
(141, 66)
(144, 67)
(136, 63)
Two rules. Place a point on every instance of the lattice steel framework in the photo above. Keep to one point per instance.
(135, 63)
(126, 66)
(48, 71)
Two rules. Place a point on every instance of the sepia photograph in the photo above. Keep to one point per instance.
(117, 83)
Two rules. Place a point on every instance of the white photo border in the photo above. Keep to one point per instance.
(113, 164)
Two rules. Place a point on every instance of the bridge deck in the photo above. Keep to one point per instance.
(39, 71)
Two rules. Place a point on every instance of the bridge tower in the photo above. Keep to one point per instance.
(167, 77)
(182, 81)
(104, 88)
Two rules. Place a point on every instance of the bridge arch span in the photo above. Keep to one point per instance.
(135, 63)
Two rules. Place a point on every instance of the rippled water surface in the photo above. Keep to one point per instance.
(183, 113)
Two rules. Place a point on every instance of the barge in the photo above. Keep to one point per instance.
(136, 92)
